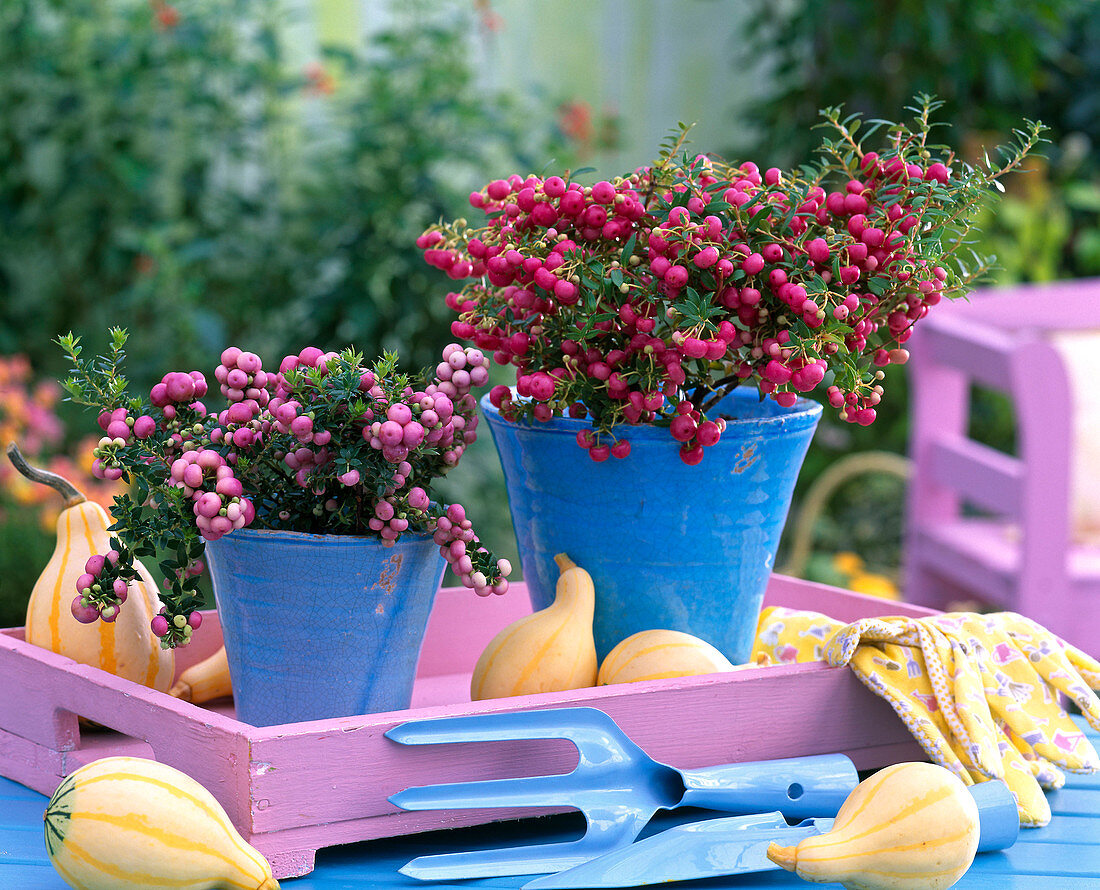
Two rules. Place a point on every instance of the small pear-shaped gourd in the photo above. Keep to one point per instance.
(659, 655)
(126, 823)
(205, 680)
(911, 826)
(126, 647)
(547, 651)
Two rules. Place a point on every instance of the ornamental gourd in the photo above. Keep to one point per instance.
(659, 655)
(125, 647)
(125, 823)
(911, 826)
(205, 680)
(547, 651)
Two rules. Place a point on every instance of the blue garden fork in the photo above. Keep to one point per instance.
(616, 785)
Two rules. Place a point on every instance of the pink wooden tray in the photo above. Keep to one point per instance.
(294, 789)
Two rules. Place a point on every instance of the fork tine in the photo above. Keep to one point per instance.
(506, 725)
(531, 791)
(531, 860)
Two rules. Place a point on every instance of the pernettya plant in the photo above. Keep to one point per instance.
(323, 445)
(646, 298)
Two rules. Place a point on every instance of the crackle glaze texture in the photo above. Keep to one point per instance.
(320, 626)
(668, 545)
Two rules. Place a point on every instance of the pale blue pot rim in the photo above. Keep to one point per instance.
(285, 536)
(803, 415)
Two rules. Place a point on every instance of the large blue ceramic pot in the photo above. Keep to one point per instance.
(668, 545)
(320, 626)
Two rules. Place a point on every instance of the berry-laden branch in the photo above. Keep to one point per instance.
(324, 445)
(642, 299)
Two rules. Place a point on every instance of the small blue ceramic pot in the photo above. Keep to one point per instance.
(320, 626)
(668, 545)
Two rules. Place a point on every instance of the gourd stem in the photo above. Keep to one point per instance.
(61, 485)
(564, 562)
(784, 857)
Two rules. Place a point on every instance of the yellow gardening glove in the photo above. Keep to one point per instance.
(891, 670)
(790, 635)
(939, 676)
(1024, 667)
(945, 708)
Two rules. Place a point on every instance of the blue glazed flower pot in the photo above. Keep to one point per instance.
(668, 545)
(320, 626)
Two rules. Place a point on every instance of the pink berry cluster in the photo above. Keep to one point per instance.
(473, 564)
(216, 495)
(324, 444)
(647, 297)
(101, 589)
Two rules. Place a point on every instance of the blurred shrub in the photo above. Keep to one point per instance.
(165, 168)
(993, 63)
(28, 512)
(133, 138)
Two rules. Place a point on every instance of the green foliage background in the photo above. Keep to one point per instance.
(190, 182)
(994, 63)
(196, 183)
(187, 182)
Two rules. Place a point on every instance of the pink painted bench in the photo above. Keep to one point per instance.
(294, 789)
(1020, 555)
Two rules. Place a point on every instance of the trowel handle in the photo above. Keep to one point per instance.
(998, 815)
(799, 787)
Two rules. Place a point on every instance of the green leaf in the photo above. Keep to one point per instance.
(628, 250)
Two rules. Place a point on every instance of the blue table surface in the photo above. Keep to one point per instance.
(1063, 856)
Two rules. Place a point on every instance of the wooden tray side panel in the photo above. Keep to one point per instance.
(758, 714)
(296, 788)
(43, 694)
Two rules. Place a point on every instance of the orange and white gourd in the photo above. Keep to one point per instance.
(126, 823)
(125, 647)
(659, 655)
(911, 826)
(547, 651)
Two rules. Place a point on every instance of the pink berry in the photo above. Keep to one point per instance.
(708, 433)
(599, 453)
(159, 626)
(691, 454)
(706, 257)
(676, 276)
(144, 426)
(682, 427)
(83, 614)
(208, 505)
(179, 387)
(621, 448)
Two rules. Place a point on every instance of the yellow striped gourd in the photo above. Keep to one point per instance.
(205, 680)
(125, 823)
(658, 655)
(911, 826)
(547, 651)
(127, 646)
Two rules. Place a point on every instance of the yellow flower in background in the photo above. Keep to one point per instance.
(874, 585)
(847, 563)
(852, 568)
